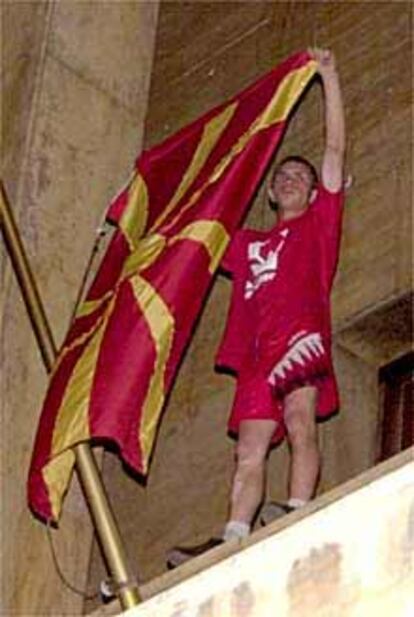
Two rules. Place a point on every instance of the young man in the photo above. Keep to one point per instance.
(278, 335)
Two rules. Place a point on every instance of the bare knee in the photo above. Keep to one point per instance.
(253, 445)
(300, 418)
(250, 458)
(301, 431)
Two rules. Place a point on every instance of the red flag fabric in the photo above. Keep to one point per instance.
(174, 221)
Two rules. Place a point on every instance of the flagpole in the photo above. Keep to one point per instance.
(101, 512)
(27, 284)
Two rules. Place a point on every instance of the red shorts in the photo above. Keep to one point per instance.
(270, 374)
(255, 400)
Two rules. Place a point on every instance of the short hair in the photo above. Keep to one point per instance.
(295, 158)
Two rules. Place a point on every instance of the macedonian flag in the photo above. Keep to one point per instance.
(174, 221)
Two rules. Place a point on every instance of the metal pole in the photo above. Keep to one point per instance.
(106, 528)
(27, 284)
(102, 515)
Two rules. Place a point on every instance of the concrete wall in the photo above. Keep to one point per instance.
(315, 563)
(206, 52)
(75, 80)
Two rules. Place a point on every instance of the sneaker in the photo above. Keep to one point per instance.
(181, 554)
(272, 511)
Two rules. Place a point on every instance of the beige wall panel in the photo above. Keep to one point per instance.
(348, 441)
(195, 94)
(191, 39)
(84, 132)
(404, 239)
(97, 39)
(24, 23)
(75, 167)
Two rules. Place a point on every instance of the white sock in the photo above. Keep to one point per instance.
(235, 530)
(294, 502)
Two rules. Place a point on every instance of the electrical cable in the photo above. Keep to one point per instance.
(101, 233)
(79, 592)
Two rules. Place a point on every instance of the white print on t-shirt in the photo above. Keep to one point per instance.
(263, 265)
(306, 348)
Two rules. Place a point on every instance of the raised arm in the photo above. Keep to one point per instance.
(333, 158)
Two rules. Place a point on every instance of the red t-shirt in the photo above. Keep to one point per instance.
(282, 280)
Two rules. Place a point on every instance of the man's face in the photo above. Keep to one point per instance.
(292, 186)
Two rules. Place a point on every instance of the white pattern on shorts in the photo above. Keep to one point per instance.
(305, 349)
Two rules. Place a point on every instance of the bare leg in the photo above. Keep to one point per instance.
(300, 407)
(249, 478)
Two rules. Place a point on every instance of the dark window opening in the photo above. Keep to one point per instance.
(396, 382)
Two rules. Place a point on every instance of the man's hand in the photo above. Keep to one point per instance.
(325, 60)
